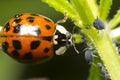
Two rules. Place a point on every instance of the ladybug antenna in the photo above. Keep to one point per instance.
(73, 42)
(75, 48)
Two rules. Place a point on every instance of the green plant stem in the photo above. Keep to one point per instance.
(107, 52)
(83, 8)
(109, 56)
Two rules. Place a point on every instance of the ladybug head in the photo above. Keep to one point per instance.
(62, 40)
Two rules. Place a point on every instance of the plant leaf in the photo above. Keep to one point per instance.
(105, 6)
(115, 20)
(84, 10)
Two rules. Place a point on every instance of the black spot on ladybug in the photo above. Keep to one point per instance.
(16, 44)
(17, 28)
(15, 53)
(7, 27)
(46, 50)
(38, 31)
(30, 19)
(5, 46)
(34, 44)
(17, 20)
(28, 56)
(98, 24)
(47, 20)
(47, 27)
(47, 38)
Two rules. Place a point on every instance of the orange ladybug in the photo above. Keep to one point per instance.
(32, 38)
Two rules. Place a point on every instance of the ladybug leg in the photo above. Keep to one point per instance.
(62, 20)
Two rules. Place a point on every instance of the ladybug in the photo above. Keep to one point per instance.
(34, 38)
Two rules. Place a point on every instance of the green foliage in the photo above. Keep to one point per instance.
(115, 21)
(82, 7)
(83, 13)
(104, 9)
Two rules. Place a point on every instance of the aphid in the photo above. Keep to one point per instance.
(98, 24)
(89, 55)
(104, 73)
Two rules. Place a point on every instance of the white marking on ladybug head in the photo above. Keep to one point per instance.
(54, 39)
(61, 29)
(61, 50)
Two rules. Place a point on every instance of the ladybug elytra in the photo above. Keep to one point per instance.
(31, 38)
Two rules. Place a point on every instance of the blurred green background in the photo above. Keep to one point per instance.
(71, 66)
